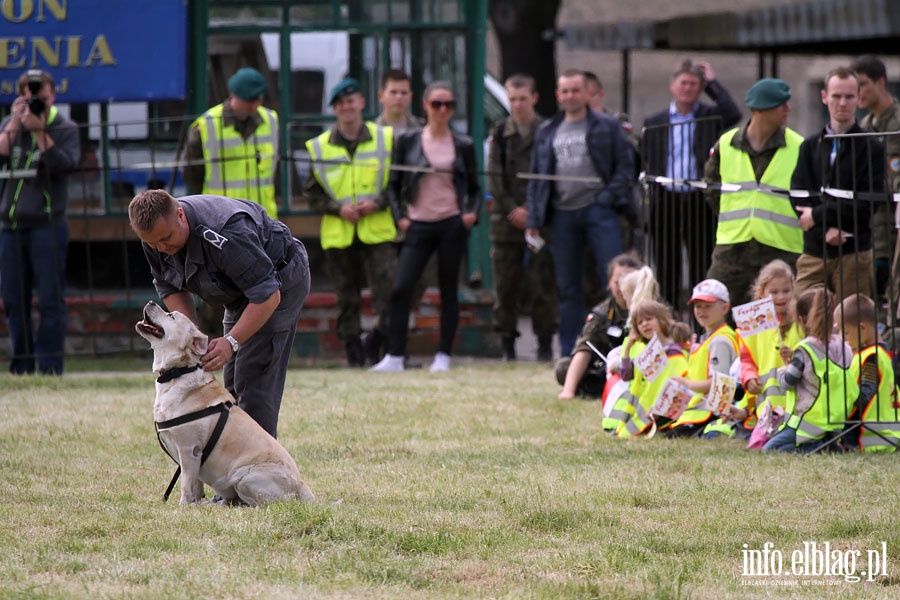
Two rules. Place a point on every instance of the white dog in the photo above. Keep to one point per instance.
(213, 442)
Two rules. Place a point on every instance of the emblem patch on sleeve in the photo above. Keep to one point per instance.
(894, 164)
(213, 238)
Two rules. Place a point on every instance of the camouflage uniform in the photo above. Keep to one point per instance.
(349, 268)
(604, 327)
(737, 265)
(507, 157)
(884, 235)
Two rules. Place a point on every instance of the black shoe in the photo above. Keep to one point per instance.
(545, 349)
(509, 349)
(372, 343)
(355, 355)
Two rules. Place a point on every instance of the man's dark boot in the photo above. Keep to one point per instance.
(509, 349)
(545, 348)
(355, 355)
(372, 342)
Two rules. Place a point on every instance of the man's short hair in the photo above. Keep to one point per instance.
(46, 78)
(574, 73)
(148, 206)
(870, 66)
(394, 75)
(688, 66)
(520, 80)
(591, 77)
(840, 73)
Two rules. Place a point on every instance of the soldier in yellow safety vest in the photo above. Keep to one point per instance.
(232, 148)
(348, 174)
(755, 224)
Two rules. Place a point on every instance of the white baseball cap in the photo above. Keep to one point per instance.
(710, 290)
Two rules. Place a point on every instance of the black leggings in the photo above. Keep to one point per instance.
(448, 238)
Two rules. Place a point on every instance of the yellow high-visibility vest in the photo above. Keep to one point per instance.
(624, 406)
(352, 180)
(236, 167)
(830, 408)
(641, 420)
(754, 212)
(882, 413)
(698, 370)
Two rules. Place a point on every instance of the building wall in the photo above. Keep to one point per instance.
(650, 70)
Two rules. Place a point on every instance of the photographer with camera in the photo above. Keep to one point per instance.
(38, 150)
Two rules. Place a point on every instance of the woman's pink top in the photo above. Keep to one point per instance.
(435, 195)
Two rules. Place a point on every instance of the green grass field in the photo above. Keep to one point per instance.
(477, 483)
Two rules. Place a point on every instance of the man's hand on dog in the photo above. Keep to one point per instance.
(217, 354)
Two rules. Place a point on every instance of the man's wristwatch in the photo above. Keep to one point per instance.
(235, 346)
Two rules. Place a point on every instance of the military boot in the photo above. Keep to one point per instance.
(545, 348)
(372, 342)
(509, 349)
(355, 355)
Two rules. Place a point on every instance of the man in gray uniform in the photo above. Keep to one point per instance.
(230, 253)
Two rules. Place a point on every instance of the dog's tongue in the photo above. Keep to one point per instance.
(148, 327)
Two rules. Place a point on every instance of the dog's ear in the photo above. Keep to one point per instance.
(199, 344)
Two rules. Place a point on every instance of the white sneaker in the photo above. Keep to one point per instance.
(440, 364)
(389, 364)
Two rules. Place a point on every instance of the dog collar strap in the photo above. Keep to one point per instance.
(170, 374)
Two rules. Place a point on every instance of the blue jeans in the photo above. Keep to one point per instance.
(35, 260)
(786, 441)
(596, 227)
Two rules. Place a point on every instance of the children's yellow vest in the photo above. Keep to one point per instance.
(698, 370)
(883, 411)
(623, 406)
(830, 408)
(641, 420)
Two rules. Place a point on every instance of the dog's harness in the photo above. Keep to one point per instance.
(222, 408)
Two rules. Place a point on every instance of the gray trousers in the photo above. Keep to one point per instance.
(255, 375)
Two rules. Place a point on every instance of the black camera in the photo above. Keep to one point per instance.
(35, 85)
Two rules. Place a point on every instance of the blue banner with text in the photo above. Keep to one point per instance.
(96, 50)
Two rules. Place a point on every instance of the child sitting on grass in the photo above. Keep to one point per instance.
(649, 318)
(715, 352)
(761, 354)
(816, 381)
(876, 409)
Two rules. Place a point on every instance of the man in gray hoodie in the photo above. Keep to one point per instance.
(40, 148)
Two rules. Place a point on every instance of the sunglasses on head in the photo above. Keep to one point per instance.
(439, 104)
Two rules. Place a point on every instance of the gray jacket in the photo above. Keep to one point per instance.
(38, 200)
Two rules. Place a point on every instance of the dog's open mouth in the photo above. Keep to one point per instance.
(149, 327)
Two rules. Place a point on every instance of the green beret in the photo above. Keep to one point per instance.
(768, 93)
(343, 88)
(247, 84)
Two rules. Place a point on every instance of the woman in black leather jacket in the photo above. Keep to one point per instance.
(434, 209)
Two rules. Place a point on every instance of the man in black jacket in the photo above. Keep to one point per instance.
(837, 238)
(675, 144)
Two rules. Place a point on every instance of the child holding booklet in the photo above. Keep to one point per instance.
(876, 407)
(816, 381)
(761, 353)
(650, 319)
(716, 351)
